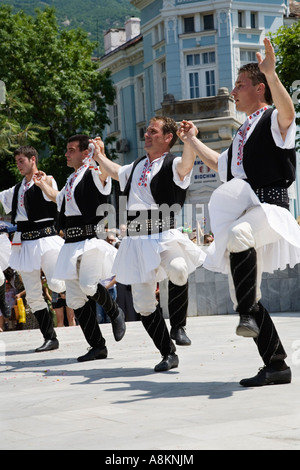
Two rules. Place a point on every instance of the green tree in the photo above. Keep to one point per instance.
(12, 135)
(54, 74)
(286, 42)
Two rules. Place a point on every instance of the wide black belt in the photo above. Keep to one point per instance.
(275, 195)
(49, 231)
(78, 233)
(149, 222)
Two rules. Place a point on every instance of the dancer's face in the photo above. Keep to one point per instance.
(26, 166)
(248, 97)
(156, 142)
(74, 155)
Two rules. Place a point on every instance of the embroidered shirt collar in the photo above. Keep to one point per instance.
(257, 113)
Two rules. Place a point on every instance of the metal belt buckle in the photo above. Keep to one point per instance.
(32, 235)
(74, 232)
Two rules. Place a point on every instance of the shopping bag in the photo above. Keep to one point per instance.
(21, 311)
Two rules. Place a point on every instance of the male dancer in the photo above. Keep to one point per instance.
(154, 250)
(253, 229)
(85, 259)
(35, 244)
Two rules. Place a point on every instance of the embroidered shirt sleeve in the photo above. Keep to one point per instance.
(289, 141)
(6, 198)
(124, 173)
(103, 189)
(222, 166)
(183, 184)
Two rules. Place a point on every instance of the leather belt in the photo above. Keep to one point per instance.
(275, 195)
(83, 232)
(148, 223)
(35, 234)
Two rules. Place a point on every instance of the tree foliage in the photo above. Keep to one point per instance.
(286, 42)
(12, 135)
(52, 73)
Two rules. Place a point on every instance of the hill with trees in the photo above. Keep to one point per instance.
(93, 16)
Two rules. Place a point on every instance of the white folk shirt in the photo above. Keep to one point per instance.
(71, 207)
(238, 170)
(6, 197)
(140, 196)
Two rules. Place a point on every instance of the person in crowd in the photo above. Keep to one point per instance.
(254, 231)
(208, 238)
(61, 309)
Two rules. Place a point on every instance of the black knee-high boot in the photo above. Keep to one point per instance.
(111, 308)
(268, 342)
(46, 326)
(178, 306)
(87, 320)
(244, 272)
(272, 353)
(4, 307)
(156, 327)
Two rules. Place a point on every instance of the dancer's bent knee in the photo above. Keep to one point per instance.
(240, 237)
(144, 299)
(178, 271)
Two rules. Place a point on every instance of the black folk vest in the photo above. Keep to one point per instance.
(163, 188)
(265, 164)
(88, 199)
(36, 206)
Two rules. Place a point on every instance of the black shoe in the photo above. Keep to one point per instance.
(268, 376)
(168, 362)
(48, 345)
(93, 354)
(247, 327)
(118, 325)
(180, 336)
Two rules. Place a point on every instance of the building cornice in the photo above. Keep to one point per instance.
(122, 59)
(140, 4)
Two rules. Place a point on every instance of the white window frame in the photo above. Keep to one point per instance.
(140, 101)
(249, 56)
(253, 18)
(213, 18)
(199, 73)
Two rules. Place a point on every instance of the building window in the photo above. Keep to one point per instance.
(253, 20)
(194, 85)
(163, 78)
(159, 32)
(206, 58)
(241, 20)
(201, 80)
(208, 22)
(114, 118)
(209, 57)
(210, 83)
(141, 112)
(247, 56)
(192, 59)
(189, 24)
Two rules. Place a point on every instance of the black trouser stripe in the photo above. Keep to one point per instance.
(178, 304)
(86, 317)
